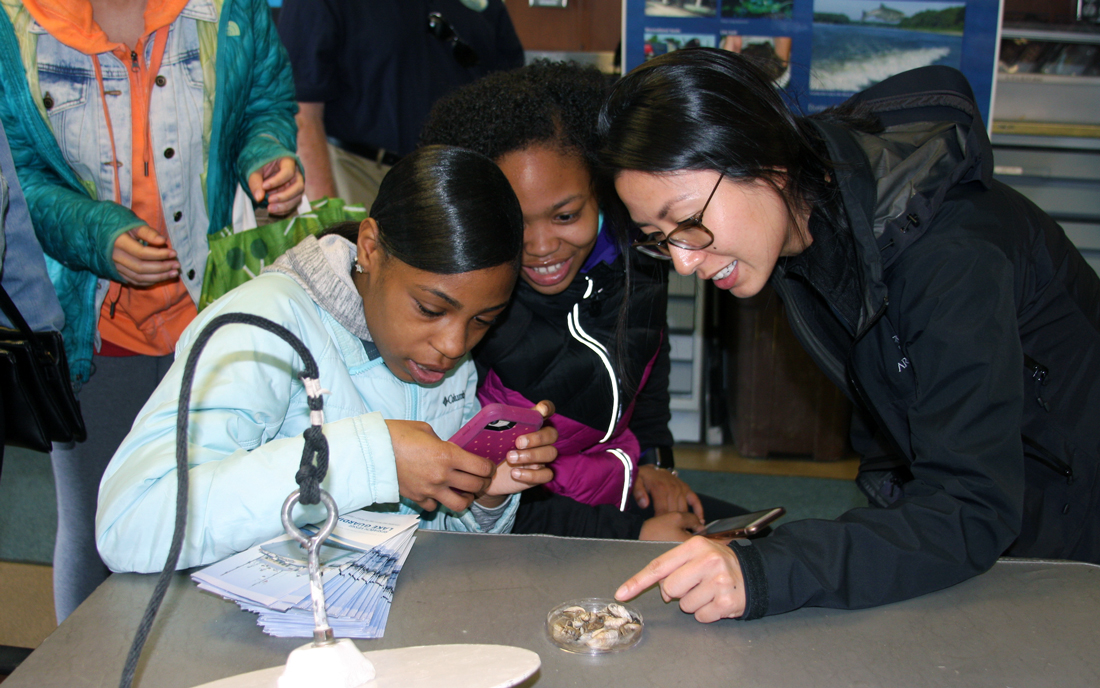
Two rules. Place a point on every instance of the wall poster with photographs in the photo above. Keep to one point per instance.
(820, 52)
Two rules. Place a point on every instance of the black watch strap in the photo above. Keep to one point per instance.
(658, 457)
(665, 458)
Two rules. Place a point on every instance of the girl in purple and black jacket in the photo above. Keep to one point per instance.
(562, 337)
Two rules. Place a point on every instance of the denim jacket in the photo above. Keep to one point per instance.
(230, 95)
(70, 92)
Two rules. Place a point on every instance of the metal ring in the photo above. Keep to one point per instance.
(310, 543)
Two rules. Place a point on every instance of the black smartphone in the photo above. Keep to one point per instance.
(742, 526)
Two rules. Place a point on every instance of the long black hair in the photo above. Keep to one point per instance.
(447, 211)
(710, 109)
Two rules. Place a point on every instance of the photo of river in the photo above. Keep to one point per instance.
(858, 44)
(681, 8)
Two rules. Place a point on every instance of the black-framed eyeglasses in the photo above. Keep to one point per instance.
(689, 235)
(442, 29)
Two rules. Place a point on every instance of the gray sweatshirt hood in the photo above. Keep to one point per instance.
(323, 268)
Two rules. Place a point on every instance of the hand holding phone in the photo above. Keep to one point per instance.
(739, 527)
(432, 471)
(493, 431)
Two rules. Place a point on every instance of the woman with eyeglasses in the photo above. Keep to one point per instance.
(954, 313)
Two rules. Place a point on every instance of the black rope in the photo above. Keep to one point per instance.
(309, 475)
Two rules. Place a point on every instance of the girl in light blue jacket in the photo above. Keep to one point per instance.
(390, 320)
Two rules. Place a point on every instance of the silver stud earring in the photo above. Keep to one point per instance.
(358, 268)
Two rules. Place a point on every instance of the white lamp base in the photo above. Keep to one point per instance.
(424, 666)
(337, 665)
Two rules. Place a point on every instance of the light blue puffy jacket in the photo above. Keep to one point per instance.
(248, 412)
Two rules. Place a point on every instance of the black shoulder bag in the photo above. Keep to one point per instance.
(39, 404)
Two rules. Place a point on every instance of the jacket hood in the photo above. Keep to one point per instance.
(893, 182)
(323, 268)
(71, 22)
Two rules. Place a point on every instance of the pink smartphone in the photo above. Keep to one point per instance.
(494, 430)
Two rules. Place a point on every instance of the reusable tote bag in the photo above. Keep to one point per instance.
(239, 252)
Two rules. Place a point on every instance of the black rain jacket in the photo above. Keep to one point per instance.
(965, 325)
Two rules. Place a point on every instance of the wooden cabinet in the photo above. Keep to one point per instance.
(779, 402)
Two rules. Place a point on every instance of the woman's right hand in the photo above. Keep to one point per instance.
(705, 575)
(431, 471)
(143, 258)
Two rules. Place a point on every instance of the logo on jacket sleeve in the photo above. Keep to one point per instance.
(904, 362)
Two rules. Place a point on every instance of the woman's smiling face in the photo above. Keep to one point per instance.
(561, 216)
(749, 221)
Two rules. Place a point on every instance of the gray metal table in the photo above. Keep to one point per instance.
(1024, 623)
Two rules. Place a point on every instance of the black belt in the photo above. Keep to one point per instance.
(363, 150)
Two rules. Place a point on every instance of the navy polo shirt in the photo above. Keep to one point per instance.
(378, 69)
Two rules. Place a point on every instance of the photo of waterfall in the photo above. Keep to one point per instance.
(858, 43)
(681, 8)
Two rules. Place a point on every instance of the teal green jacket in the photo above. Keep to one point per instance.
(249, 121)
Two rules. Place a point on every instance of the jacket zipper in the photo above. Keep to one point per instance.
(1048, 459)
(871, 408)
(843, 371)
(821, 353)
(1039, 373)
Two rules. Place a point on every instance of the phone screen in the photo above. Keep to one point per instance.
(499, 425)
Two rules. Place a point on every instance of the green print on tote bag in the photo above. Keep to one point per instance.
(237, 256)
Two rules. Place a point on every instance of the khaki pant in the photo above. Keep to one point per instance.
(356, 178)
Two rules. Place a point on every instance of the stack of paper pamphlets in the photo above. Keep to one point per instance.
(360, 562)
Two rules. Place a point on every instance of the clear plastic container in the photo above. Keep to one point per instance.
(594, 626)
